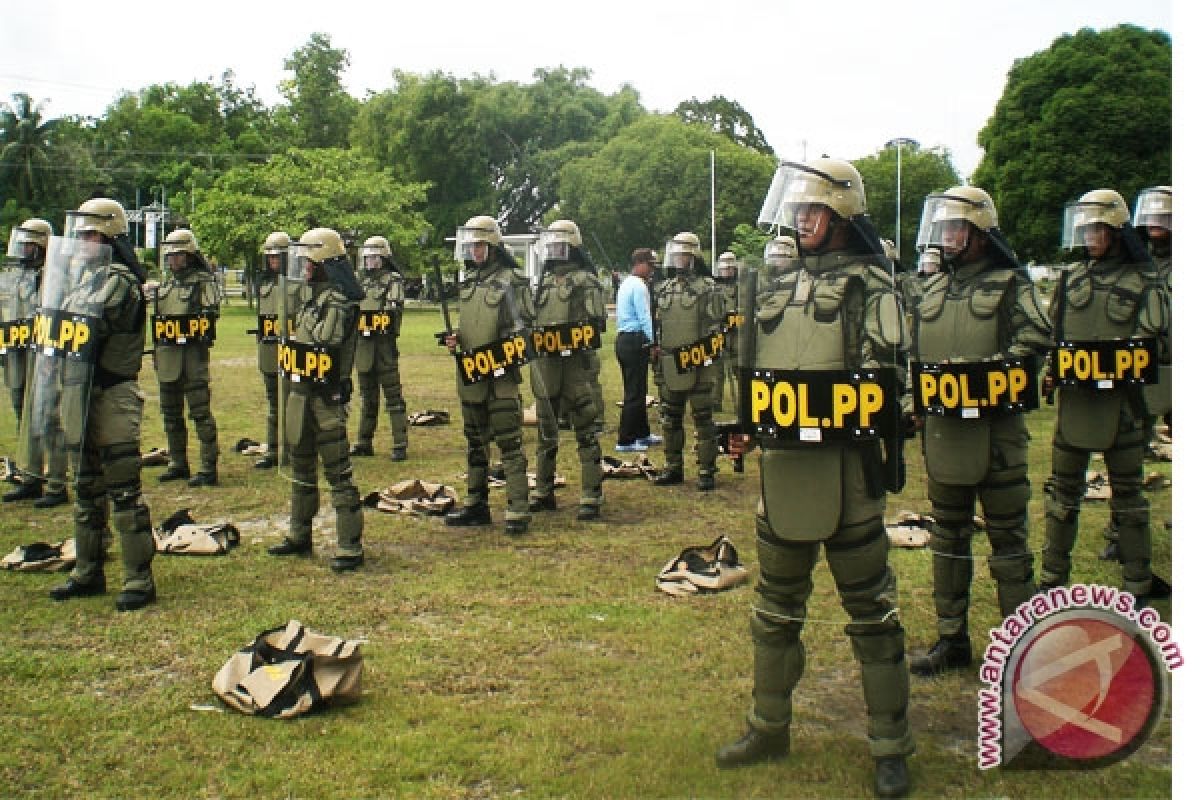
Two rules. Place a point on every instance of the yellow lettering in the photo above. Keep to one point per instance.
(997, 385)
(468, 365)
(589, 333)
(845, 400)
(83, 334)
(323, 364)
(1018, 380)
(576, 337)
(1124, 360)
(520, 344)
(804, 419)
(948, 391)
(1083, 367)
(783, 404)
(928, 388)
(760, 398)
(510, 350)
(1064, 363)
(310, 362)
(66, 330)
(870, 401)
(1096, 367)
(967, 400)
(685, 359)
(1141, 360)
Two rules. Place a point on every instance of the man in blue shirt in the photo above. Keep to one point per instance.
(635, 336)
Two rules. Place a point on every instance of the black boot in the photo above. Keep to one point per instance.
(953, 652)
(362, 450)
(669, 477)
(1111, 552)
(478, 514)
(706, 483)
(24, 491)
(267, 462)
(399, 454)
(290, 548)
(133, 599)
(346, 563)
(51, 500)
(73, 588)
(203, 479)
(754, 746)
(175, 474)
(891, 776)
(547, 503)
(516, 527)
(1159, 590)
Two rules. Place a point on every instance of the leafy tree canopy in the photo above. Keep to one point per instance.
(922, 172)
(725, 117)
(652, 180)
(1092, 111)
(304, 189)
(319, 104)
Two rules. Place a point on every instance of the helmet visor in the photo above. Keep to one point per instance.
(795, 185)
(1153, 209)
(22, 241)
(371, 258)
(1076, 219)
(554, 246)
(470, 244)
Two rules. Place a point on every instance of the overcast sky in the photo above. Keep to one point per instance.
(836, 78)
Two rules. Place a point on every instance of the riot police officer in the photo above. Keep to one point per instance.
(186, 309)
(496, 308)
(101, 404)
(380, 313)
(317, 360)
(726, 279)
(981, 318)
(1110, 296)
(835, 310)
(689, 310)
(267, 290)
(569, 313)
(21, 285)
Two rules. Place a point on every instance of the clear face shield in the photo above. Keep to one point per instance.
(1153, 209)
(371, 258)
(84, 225)
(23, 246)
(470, 245)
(299, 261)
(273, 260)
(1084, 223)
(945, 224)
(793, 187)
(679, 257)
(554, 246)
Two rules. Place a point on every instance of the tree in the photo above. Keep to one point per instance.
(1092, 111)
(922, 172)
(302, 189)
(652, 180)
(25, 140)
(320, 106)
(726, 117)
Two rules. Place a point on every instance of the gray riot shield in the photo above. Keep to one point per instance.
(64, 346)
(291, 290)
(18, 299)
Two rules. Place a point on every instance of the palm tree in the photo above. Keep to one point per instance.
(24, 148)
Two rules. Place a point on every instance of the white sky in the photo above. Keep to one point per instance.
(840, 78)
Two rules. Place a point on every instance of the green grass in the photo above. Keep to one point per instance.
(544, 667)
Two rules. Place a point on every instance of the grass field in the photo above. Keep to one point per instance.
(547, 666)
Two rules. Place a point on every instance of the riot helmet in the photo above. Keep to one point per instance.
(727, 266)
(320, 256)
(1152, 215)
(375, 253)
(477, 240)
(105, 217)
(683, 254)
(930, 261)
(28, 242)
(817, 200)
(560, 242)
(781, 255)
(180, 250)
(962, 223)
(275, 251)
(1098, 224)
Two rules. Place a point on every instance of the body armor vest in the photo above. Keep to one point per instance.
(566, 297)
(688, 308)
(121, 351)
(22, 306)
(1158, 396)
(190, 292)
(1099, 300)
(328, 307)
(802, 322)
(486, 316)
(383, 289)
(958, 315)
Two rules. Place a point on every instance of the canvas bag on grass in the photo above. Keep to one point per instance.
(289, 671)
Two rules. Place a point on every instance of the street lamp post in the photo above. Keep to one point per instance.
(902, 141)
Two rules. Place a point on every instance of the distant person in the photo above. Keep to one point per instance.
(635, 337)
(726, 279)
(272, 314)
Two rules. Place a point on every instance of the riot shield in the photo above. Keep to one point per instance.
(18, 299)
(64, 349)
(291, 289)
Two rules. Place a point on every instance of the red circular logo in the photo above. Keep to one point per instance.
(1084, 688)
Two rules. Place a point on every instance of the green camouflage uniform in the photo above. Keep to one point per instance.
(183, 372)
(727, 363)
(315, 423)
(978, 312)
(839, 312)
(375, 357)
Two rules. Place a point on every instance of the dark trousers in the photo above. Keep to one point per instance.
(634, 358)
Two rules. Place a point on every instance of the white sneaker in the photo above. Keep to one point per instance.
(650, 440)
(634, 447)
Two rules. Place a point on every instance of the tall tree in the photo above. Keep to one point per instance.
(725, 117)
(1092, 111)
(25, 139)
(922, 172)
(302, 189)
(320, 105)
(652, 180)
